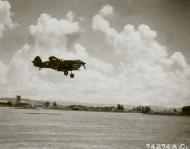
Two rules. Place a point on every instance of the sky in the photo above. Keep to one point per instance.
(137, 51)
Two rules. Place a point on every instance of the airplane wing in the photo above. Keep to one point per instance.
(73, 64)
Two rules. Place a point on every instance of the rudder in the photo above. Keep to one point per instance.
(37, 61)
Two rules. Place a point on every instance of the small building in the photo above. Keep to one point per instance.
(20, 103)
(18, 100)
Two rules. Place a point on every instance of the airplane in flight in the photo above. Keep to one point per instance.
(59, 64)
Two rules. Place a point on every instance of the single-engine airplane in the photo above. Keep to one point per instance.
(59, 64)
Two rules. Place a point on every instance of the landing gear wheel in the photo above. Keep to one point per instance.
(71, 75)
(65, 73)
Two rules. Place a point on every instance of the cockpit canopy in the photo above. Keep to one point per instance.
(53, 58)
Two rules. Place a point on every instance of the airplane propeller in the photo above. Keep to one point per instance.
(84, 65)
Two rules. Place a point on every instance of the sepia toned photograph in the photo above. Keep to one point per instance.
(94, 74)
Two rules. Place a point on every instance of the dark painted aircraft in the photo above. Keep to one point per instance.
(59, 64)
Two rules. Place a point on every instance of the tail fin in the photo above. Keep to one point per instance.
(37, 61)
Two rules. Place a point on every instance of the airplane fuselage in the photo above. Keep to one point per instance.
(59, 64)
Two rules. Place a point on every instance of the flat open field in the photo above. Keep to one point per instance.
(30, 129)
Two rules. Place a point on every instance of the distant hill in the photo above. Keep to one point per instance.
(67, 103)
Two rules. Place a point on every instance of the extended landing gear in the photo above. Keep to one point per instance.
(66, 73)
(72, 75)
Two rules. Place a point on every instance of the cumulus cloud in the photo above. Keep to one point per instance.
(70, 15)
(47, 27)
(107, 10)
(150, 74)
(145, 73)
(6, 21)
(50, 38)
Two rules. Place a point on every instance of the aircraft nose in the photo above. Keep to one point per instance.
(83, 63)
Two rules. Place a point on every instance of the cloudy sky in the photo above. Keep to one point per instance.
(137, 51)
